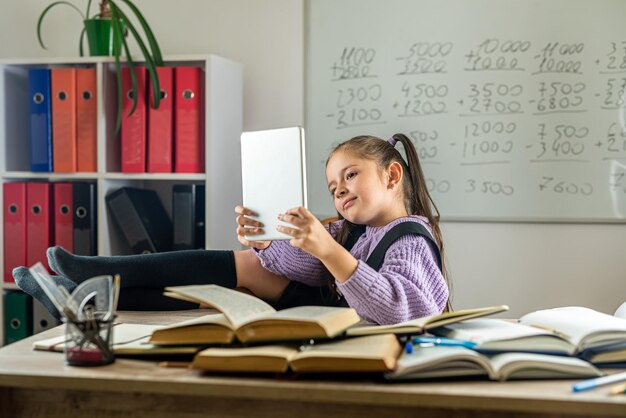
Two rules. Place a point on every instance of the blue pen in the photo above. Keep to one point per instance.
(442, 341)
(599, 381)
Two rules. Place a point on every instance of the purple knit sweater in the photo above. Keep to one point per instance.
(408, 285)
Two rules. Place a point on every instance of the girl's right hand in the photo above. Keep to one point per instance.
(247, 227)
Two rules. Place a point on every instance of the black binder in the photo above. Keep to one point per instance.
(188, 216)
(84, 218)
(141, 219)
(18, 316)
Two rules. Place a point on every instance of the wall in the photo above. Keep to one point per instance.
(528, 266)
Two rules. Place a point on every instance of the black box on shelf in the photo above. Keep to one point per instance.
(141, 218)
(188, 216)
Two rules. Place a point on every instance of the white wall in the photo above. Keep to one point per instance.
(528, 266)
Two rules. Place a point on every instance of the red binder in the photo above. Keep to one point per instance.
(63, 215)
(63, 89)
(39, 224)
(134, 126)
(161, 124)
(14, 227)
(189, 120)
(86, 119)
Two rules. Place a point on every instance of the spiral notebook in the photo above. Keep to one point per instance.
(273, 174)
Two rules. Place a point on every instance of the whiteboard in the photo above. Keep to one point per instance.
(516, 107)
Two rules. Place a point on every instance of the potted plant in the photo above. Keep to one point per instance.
(106, 34)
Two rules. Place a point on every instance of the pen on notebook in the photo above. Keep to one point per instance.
(442, 341)
(599, 381)
(436, 341)
(618, 390)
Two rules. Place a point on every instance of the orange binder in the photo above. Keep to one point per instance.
(189, 120)
(134, 126)
(14, 227)
(39, 224)
(63, 89)
(86, 119)
(63, 216)
(161, 124)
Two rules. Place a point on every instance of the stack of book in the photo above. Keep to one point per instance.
(245, 334)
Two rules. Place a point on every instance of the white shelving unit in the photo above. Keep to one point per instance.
(223, 126)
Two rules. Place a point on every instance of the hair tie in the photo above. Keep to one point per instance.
(392, 141)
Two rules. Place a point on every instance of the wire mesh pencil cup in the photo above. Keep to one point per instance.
(89, 342)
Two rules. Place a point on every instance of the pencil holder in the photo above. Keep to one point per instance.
(89, 342)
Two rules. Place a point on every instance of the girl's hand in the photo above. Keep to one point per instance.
(308, 232)
(247, 227)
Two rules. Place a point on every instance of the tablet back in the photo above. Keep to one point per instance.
(273, 175)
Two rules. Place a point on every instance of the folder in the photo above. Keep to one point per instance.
(86, 119)
(141, 219)
(188, 217)
(40, 120)
(42, 319)
(18, 316)
(39, 222)
(14, 195)
(63, 221)
(134, 126)
(85, 219)
(63, 86)
(161, 124)
(189, 120)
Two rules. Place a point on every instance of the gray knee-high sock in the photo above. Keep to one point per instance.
(175, 268)
(28, 284)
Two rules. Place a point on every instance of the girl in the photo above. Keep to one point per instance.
(371, 185)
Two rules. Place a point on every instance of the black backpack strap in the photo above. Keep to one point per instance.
(353, 237)
(376, 258)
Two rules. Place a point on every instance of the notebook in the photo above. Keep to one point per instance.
(273, 174)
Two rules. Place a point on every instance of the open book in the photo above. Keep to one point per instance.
(421, 325)
(128, 339)
(377, 353)
(595, 336)
(439, 361)
(249, 319)
(500, 335)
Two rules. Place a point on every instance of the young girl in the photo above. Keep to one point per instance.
(370, 184)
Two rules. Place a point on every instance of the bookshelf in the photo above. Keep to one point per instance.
(223, 116)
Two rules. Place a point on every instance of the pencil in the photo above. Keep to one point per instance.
(618, 390)
(181, 364)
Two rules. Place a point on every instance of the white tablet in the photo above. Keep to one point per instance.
(273, 175)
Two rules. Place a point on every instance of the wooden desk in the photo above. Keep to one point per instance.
(39, 384)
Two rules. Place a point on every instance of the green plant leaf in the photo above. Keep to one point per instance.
(154, 46)
(150, 65)
(80, 41)
(115, 15)
(117, 34)
(46, 10)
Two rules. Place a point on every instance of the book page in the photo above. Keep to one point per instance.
(540, 366)
(217, 318)
(583, 327)
(419, 325)
(498, 334)
(127, 339)
(440, 361)
(238, 307)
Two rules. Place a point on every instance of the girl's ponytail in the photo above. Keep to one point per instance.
(417, 198)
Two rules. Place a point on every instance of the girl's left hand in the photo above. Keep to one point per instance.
(308, 234)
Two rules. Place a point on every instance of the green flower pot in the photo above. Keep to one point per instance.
(100, 37)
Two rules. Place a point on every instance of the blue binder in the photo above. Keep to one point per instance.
(40, 112)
